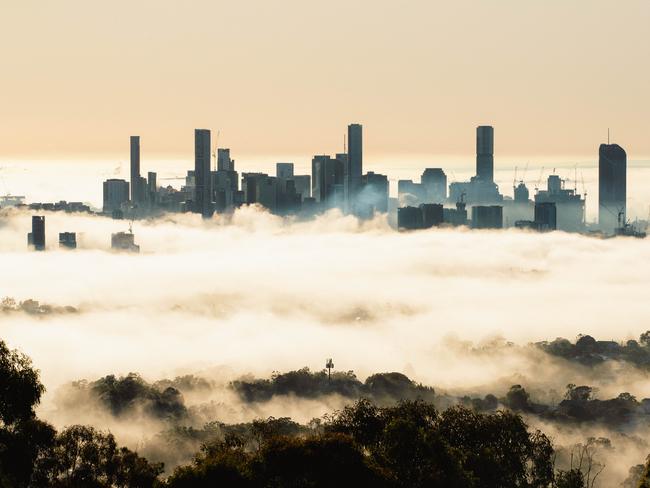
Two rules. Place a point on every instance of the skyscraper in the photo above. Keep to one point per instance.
(434, 181)
(327, 181)
(224, 163)
(136, 192)
(284, 170)
(354, 167)
(116, 192)
(485, 153)
(202, 178)
(36, 237)
(612, 167)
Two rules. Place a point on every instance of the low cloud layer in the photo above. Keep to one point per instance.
(255, 293)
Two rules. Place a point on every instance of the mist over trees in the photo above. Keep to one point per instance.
(379, 439)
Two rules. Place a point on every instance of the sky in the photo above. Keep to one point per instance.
(285, 77)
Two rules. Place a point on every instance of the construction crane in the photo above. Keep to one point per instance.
(216, 146)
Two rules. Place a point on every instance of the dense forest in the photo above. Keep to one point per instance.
(393, 433)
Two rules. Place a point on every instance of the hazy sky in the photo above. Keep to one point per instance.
(286, 76)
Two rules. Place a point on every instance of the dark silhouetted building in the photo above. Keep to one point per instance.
(152, 188)
(284, 171)
(138, 183)
(425, 216)
(481, 189)
(68, 240)
(456, 216)
(116, 193)
(522, 195)
(485, 153)
(124, 241)
(303, 185)
(487, 217)
(546, 216)
(612, 168)
(434, 182)
(224, 162)
(354, 168)
(409, 218)
(432, 215)
(569, 205)
(327, 181)
(202, 173)
(36, 237)
(261, 189)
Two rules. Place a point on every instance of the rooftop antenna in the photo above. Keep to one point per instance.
(608, 136)
(345, 146)
(329, 364)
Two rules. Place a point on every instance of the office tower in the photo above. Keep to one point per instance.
(546, 216)
(303, 185)
(68, 240)
(261, 189)
(136, 189)
(124, 241)
(327, 181)
(569, 205)
(284, 170)
(152, 187)
(487, 217)
(373, 196)
(224, 163)
(116, 193)
(202, 174)
(409, 218)
(354, 168)
(434, 181)
(36, 237)
(612, 167)
(521, 193)
(485, 153)
(432, 215)
(410, 193)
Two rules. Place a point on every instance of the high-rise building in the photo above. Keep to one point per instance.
(152, 187)
(612, 168)
(569, 205)
(303, 185)
(137, 192)
(434, 181)
(224, 163)
(327, 181)
(373, 196)
(354, 167)
(202, 174)
(36, 237)
(284, 170)
(487, 217)
(260, 188)
(546, 216)
(116, 193)
(485, 153)
(68, 240)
